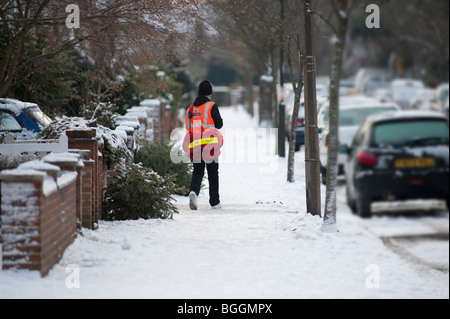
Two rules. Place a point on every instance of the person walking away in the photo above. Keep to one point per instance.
(206, 112)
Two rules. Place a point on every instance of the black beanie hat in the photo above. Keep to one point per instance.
(205, 88)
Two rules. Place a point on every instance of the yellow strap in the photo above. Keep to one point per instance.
(204, 141)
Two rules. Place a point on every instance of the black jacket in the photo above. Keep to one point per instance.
(215, 113)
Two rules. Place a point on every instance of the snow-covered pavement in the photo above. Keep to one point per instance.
(262, 245)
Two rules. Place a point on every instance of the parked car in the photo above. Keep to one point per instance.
(403, 89)
(383, 95)
(368, 80)
(23, 119)
(441, 95)
(351, 117)
(347, 87)
(397, 156)
(446, 108)
(324, 109)
(422, 99)
(300, 129)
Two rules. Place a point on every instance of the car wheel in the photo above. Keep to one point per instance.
(323, 174)
(297, 148)
(350, 201)
(363, 208)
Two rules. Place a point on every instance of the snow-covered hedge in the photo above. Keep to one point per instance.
(115, 150)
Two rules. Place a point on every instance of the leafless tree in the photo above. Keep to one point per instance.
(112, 34)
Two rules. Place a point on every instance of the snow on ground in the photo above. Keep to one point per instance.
(262, 245)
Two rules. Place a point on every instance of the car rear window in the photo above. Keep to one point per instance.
(8, 122)
(412, 132)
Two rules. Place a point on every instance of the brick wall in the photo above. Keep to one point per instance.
(45, 202)
(38, 218)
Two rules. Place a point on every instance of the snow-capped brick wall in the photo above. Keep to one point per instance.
(44, 202)
(93, 181)
(38, 217)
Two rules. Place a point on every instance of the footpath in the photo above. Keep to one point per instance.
(261, 245)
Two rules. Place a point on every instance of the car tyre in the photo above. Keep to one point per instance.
(323, 174)
(350, 201)
(363, 206)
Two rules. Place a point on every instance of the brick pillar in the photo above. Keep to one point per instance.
(85, 139)
(86, 194)
(22, 196)
(84, 155)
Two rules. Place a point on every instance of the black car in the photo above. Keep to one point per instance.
(398, 156)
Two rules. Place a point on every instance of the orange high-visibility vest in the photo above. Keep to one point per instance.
(201, 117)
(202, 137)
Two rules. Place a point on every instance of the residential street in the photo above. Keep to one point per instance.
(261, 245)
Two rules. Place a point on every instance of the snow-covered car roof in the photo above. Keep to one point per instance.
(369, 105)
(406, 114)
(15, 106)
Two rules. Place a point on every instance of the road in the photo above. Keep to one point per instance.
(419, 236)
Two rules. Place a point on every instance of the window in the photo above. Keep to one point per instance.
(412, 132)
(8, 122)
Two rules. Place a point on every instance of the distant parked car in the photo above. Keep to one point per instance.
(441, 95)
(300, 129)
(321, 97)
(403, 89)
(324, 109)
(397, 156)
(422, 99)
(368, 80)
(351, 117)
(22, 119)
(446, 108)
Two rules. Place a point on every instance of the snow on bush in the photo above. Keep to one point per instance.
(115, 150)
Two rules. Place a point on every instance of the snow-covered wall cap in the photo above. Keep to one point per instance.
(132, 118)
(148, 110)
(139, 114)
(122, 133)
(128, 124)
(39, 166)
(125, 128)
(151, 102)
(71, 158)
(22, 175)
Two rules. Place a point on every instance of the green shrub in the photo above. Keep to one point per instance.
(139, 192)
(156, 156)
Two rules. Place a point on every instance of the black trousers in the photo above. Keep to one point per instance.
(213, 179)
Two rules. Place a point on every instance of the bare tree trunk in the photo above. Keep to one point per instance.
(312, 166)
(293, 133)
(248, 78)
(329, 222)
(298, 87)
